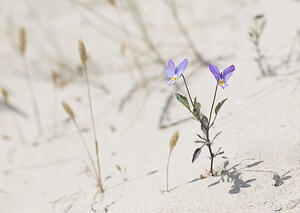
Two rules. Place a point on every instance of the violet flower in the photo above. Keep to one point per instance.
(174, 72)
(222, 77)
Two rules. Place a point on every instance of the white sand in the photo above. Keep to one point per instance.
(259, 122)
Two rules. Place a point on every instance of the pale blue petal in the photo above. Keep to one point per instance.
(171, 82)
(179, 73)
(182, 67)
(169, 72)
(225, 85)
(171, 65)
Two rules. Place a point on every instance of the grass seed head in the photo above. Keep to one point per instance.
(54, 77)
(123, 48)
(22, 40)
(68, 110)
(4, 94)
(119, 168)
(112, 2)
(82, 53)
(173, 140)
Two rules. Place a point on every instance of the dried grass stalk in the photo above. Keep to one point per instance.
(22, 49)
(70, 112)
(5, 96)
(172, 144)
(84, 58)
(54, 78)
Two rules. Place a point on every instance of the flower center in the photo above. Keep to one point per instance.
(221, 82)
(174, 78)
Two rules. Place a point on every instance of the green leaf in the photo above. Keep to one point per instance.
(198, 141)
(219, 105)
(196, 154)
(196, 110)
(215, 137)
(201, 137)
(182, 99)
(204, 125)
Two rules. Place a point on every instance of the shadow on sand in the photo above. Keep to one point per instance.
(233, 175)
(192, 181)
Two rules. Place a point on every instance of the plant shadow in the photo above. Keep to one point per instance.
(233, 175)
(191, 181)
(279, 180)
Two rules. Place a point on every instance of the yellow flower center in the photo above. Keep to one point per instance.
(221, 82)
(175, 78)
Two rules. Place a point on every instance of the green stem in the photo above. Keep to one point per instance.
(187, 89)
(208, 128)
(212, 105)
(211, 159)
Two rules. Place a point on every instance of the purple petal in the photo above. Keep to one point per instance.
(169, 72)
(181, 67)
(215, 71)
(226, 77)
(171, 82)
(228, 72)
(171, 65)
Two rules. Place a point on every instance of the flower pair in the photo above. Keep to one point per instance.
(174, 72)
